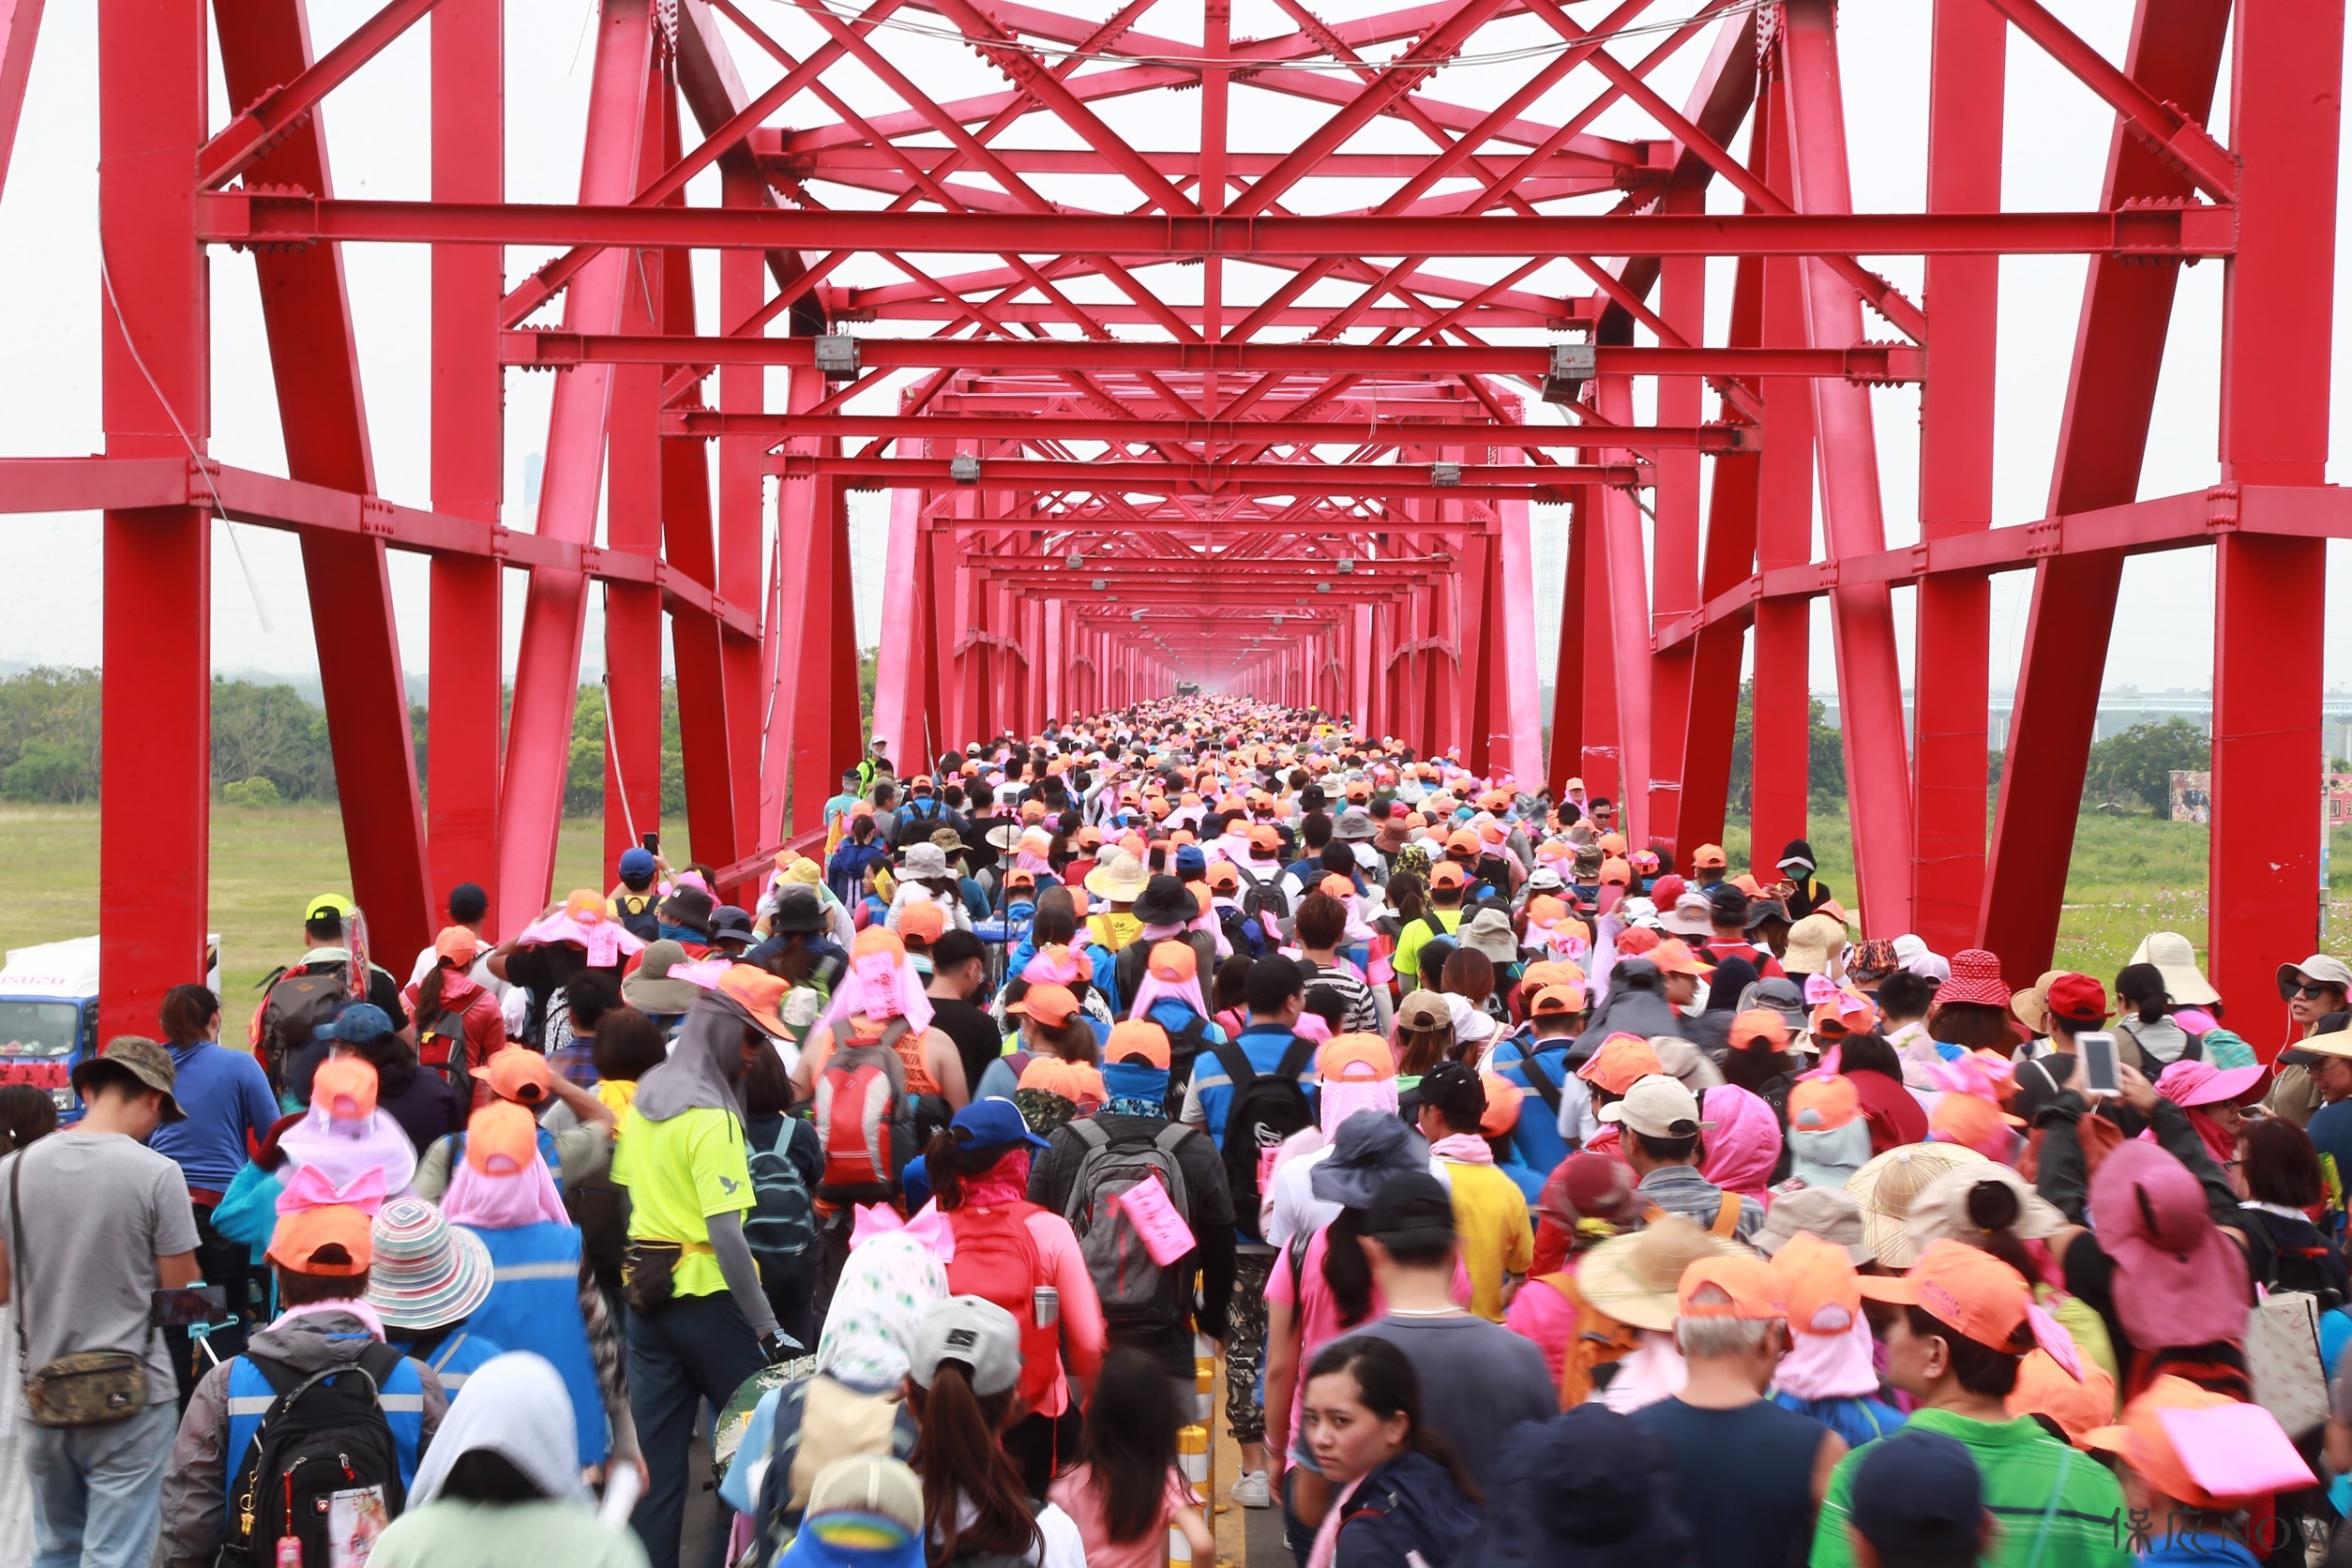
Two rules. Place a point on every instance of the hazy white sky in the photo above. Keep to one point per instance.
(2056, 141)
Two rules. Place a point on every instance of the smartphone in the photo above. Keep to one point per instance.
(2098, 1064)
(188, 1307)
(652, 842)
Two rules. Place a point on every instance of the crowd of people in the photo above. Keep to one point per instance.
(1543, 1198)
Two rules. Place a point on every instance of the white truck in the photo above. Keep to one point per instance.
(48, 1005)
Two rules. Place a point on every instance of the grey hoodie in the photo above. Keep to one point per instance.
(195, 1482)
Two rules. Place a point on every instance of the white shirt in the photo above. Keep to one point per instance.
(480, 973)
(1297, 1212)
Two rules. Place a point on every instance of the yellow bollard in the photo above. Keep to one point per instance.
(1191, 1461)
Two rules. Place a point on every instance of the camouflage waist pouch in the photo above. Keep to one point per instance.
(88, 1390)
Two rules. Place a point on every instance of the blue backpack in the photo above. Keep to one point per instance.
(781, 1228)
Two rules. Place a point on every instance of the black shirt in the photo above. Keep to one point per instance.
(977, 1041)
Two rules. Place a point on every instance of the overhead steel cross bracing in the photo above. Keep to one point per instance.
(1183, 344)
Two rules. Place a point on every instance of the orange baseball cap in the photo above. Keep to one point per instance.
(1614, 871)
(1820, 1105)
(1673, 957)
(877, 939)
(1224, 875)
(1461, 841)
(1355, 1059)
(334, 1239)
(457, 944)
(1845, 1011)
(1818, 1283)
(1970, 1120)
(1611, 843)
(584, 903)
(1091, 836)
(1503, 1105)
(1078, 1082)
(500, 1139)
(1138, 1037)
(1033, 811)
(762, 994)
(1263, 836)
(1555, 999)
(1544, 909)
(2186, 1440)
(1445, 874)
(1709, 855)
(521, 1077)
(1173, 961)
(346, 1085)
(1050, 1004)
(1972, 1292)
(1744, 1288)
(1759, 1023)
(1336, 886)
(922, 920)
(1018, 878)
(1622, 1061)
(2079, 1406)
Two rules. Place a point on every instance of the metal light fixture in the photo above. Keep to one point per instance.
(1074, 559)
(964, 469)
(1445, 475)
(1347, 565)
(1572, 365)
(836, 356)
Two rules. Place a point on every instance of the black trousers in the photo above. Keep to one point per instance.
(691, 1349)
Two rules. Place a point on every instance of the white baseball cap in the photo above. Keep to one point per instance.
(1657, 1106)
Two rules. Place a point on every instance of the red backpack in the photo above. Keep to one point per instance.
(863, 1115)
(997, 1258)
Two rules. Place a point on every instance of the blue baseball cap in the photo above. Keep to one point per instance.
(993, 1124)
(637, 862)
(355, 1021)
(1190, 861)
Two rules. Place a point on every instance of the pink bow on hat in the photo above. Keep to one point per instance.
(1819, 990)
(311, 1188)
(928, 1226)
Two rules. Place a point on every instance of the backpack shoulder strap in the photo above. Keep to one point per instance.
(1296, 1057)
(1726, 1216)
(1540, 1079)
(1437, 927)
(1168, 1137)
(1090, 1132)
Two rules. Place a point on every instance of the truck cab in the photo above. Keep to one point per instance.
(49, 1013)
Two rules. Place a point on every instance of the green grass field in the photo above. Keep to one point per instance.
(266, 864)
(2131, 875)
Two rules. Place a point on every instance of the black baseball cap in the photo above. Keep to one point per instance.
(1412, 1206)
(1455, 1089)
(1728, 903)
(1918, 1499)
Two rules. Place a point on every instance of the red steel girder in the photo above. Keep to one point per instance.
(1043, 427)
(247, 217)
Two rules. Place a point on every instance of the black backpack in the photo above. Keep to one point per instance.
(636, 913)
(324, 1434)
(1266, 1108)
(1243, 934)
(296, 1006)
(1263, 897)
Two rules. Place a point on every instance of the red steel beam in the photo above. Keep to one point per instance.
(289, 101)
(709, 425)
(248, 217)
(20, 30)
(155, 712)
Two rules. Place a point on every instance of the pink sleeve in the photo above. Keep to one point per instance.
(1542, 1317)
(1082, 1311)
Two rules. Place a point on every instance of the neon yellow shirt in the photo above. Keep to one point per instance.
(1490, 1223)
(679, 1172)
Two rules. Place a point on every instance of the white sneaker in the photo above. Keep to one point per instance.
(1251, 1489)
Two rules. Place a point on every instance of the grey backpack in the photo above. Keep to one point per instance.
(1134, 1289)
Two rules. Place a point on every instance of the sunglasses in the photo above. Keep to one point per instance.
(2308, 989)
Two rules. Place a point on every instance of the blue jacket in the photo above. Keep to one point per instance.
(251, 1396)
(845, 873)
(1535, 1142)
(227, 1098)
(533, 1305)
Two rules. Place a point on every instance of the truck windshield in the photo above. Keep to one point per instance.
(39, 1028)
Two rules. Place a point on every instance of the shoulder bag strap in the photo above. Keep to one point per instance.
(1726, 1216)
(17, 1276)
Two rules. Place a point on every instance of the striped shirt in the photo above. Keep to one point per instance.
(1358, 1014)
(2054, 1505)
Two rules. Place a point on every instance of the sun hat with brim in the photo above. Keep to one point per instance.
(1976, 977)
(1824, 1213)
(427, 1271)
(2318, 968)
(1782, 996)
(2201, 1083)
(137, 1058)
(650, 989)
(1887, 1186)
(1368, 1149)
(2031, 1005)
(1813, 941)
(1635, 1279)
(1119, 877)
(2173, 1267)
(1940, 1210)
(1490, 933)
(1166, 901)
(2204, 1450)
(2328, 1038)
(2176, 958)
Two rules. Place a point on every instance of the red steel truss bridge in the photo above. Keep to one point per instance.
(1190, 345)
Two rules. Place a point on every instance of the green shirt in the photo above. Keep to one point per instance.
(679, 1172)
(2032, 1482)
(446, 1533)
(1415, 936)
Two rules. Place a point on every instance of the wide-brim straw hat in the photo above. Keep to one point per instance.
(1885, 1186)
(1633, 1278)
